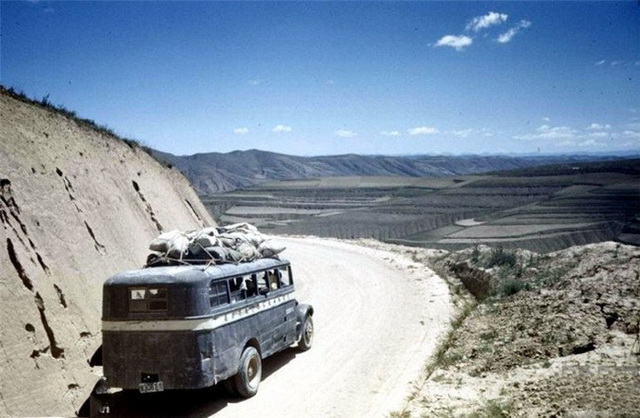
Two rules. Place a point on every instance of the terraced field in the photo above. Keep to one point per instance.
(542, 209)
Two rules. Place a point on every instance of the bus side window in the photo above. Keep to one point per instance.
(252, 285)
(238, 288)
(218, 294)
(263, 283)
(274, 279)
(284, 277)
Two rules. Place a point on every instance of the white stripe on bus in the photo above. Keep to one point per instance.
(200, 324)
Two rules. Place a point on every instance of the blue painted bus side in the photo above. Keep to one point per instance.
(192, 344)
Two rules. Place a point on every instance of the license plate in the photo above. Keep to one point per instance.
(151, 387)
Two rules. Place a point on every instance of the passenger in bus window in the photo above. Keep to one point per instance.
(251, 285)
(263, 283)
(283, 277)
(274, 281)
(238, 288)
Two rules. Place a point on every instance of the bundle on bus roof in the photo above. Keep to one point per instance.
(227, 244)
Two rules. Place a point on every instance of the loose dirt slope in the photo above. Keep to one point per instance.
(549, 335)
(83, 206)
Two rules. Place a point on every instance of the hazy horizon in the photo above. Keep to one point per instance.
(613, 153)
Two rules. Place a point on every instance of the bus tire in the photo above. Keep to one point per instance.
(306, 338)
(248, 377)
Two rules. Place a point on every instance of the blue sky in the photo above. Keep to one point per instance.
(320, 78)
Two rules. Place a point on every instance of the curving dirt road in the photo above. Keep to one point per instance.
(377, 319)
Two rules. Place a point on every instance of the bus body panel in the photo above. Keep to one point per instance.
(190, 343)
(177, 359)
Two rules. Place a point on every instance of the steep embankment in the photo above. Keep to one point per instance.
(77, 206)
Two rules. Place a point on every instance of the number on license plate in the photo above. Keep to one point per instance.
(151, 387)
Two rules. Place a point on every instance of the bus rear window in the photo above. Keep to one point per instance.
(218, 294)
(145, 299)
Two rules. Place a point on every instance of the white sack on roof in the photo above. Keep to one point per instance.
(270, 248)
(178, 246)
(234, 243)
(163, 241)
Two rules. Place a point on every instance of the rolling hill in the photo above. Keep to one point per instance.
(219, 172)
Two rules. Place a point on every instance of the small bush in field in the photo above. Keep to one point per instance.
(511, 287)
(501, 257)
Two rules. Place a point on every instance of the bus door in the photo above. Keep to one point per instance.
(281, 290)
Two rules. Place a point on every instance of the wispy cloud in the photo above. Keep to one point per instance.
(282, 128)
(462, 133)
(423, 130)
(345, 133)
(595, 135)
(482, 22)
(598, 127)
(600, 62)
(631, 134)
(241, 131)
(555, 132)
(508, 35)
(459, 43)
(254, 82)
(598, 134)
(550, 132)
(390, 133)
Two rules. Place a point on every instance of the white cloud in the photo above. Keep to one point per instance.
(282, 128)
(633, 125)
(344, 133)
(390, 133)
(631, 134)
(546, 119)
(241, 131)
(600, 62)
(423, 130)
(550, 132)
(508, 35)
(598, 127)
(463, 133)
(457, 42)
(254, 82)
(483, 22)
(598, 134)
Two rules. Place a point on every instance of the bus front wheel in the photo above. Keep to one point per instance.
(306, 339)
(248, 378)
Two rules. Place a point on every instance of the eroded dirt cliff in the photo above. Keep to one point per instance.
(77, 205)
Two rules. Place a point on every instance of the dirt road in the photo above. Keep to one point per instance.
(377, 318)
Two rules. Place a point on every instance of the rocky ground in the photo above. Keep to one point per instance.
(536, 335)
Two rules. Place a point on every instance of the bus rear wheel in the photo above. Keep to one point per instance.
(247, 380)
(306, 339)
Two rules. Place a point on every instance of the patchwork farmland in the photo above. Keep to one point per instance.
(541, 209)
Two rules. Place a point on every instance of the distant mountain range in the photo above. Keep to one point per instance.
(217, 172)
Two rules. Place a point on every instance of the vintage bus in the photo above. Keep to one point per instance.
(193, 326)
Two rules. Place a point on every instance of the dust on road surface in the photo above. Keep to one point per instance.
(377, 318)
